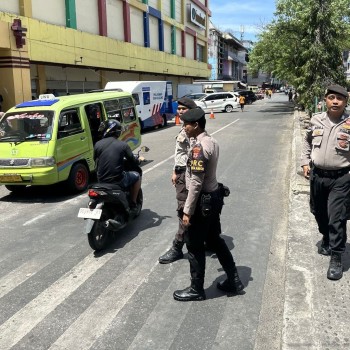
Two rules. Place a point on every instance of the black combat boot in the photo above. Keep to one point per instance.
(335, 270)
(192, 293)
(173, 254)
(324, 249)
(232, 284)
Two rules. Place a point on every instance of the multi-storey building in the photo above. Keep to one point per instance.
(77, 45)
(226, 56)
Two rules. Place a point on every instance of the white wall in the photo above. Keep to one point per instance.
(49, 11)
(87, 16)
(153, 3)
(154, 33)
(189, 46)
(136, 19)
(167, 37)
(115, 21)
(178, 16)
(10, 6)
(166, 8)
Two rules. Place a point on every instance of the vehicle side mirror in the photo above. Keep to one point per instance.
(144, 149)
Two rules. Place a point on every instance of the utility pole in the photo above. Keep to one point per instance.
(242, 32)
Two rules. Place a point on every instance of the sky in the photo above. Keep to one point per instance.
(247, 14)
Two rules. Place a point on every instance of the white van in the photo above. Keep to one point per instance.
(153, 100)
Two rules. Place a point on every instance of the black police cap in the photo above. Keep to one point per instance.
(336, 89)
(193, 115)
(186, 102)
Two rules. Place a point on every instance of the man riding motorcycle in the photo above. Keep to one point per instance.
(109, 155)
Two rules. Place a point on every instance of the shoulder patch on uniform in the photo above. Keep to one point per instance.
(198, 161)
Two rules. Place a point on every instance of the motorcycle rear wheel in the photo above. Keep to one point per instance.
(100, 236)
(139, 202)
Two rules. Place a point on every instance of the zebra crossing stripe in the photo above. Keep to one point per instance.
(96, 319)
(21, 323)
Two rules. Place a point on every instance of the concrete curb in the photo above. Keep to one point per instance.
(298, 183)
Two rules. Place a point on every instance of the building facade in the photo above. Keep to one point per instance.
(226, 56)
(73, 46)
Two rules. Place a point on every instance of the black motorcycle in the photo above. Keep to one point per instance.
(108, 210)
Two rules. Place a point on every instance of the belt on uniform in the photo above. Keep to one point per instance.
(331, 173)
(180, 169)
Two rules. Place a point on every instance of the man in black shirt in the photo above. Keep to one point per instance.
(109, 154)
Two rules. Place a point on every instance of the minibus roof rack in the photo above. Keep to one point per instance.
(102, 90)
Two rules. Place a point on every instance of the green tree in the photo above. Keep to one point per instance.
(303, 45)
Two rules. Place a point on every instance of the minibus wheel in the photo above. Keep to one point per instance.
(78, 178)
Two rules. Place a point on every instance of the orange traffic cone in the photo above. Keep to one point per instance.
(177, 120)
(212, 115)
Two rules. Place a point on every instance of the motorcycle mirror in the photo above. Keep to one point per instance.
(144, 149)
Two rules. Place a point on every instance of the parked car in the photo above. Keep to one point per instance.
(218, 102)
(250, 97)
(196, 96)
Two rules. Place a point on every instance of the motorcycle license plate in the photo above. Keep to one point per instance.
(87, 213)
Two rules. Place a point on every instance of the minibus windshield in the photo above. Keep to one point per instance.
(26, 126)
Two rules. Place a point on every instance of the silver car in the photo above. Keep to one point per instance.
(218, 102)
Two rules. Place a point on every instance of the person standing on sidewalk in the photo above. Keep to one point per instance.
(242, 102)
(178, 179)
(201, 213)
(325, 160)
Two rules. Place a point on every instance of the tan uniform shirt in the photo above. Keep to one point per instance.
(182, 147)
(327, 145)
(201, 172)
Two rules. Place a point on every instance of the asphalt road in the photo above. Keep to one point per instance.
(55, 293)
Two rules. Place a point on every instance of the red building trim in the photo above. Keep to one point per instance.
(14, 62)
(190, 31)
(200, 5)
(126, 16)
(102, 17)
(195, 48)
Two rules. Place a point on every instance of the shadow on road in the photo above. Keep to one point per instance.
(149, 220)
(245, 275)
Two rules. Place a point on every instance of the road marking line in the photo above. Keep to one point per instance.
(94, 321)
(21, 323)
(165, 160)
(34, 219)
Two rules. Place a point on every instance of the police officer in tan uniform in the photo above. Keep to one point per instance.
(201, 213)
(325, 160)
(182, 146)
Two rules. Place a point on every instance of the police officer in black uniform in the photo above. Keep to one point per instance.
(326, 160)
(202, 211)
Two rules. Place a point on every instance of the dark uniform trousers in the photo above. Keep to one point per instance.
(181, 195)
(330, 204)
(206, 229)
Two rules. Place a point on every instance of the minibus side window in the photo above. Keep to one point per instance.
(69, 123)
(94, 112)
(128, 110)
(112, 108)
(128, 114)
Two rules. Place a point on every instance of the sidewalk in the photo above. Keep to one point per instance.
(316, 310)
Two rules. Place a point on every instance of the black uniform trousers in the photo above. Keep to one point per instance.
(181, 195)
(330, 204)
(206, 229)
